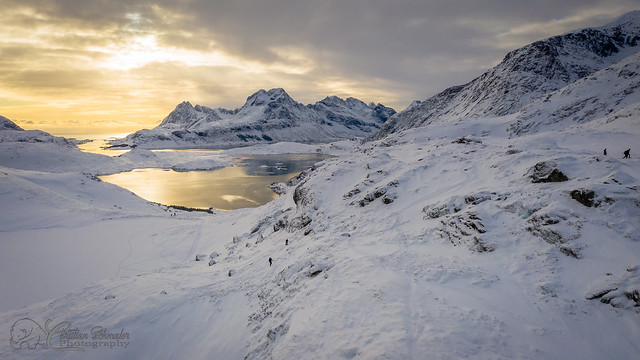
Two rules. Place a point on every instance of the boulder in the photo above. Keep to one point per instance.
(583, 196)
(545, 172)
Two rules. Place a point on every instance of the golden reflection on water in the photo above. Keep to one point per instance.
(97, 143)
(225, 189)
(232, 188)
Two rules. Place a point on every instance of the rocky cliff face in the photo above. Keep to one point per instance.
(266, 116)
(526, 74)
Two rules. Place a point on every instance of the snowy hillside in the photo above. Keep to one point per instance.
(266, 117)
(526, 74)
(40, 151)
(583, 100)
(443, 242)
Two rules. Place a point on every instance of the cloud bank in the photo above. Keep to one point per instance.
(127, 63)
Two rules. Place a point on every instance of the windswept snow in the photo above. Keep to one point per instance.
(433, 242)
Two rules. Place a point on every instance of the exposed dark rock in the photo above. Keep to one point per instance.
(480, 246)
(545, 172)
(281, 224)
(352, 193)
(464, 229)
(621, 291)
(301, 196)
(600, 293)
(375, 194)
(465, 140)
(548, 235)
(388, 199)
(455, 204)
(570, 252)
(299, 222)
(583, 196)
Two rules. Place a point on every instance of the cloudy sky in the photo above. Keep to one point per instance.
(119, 65)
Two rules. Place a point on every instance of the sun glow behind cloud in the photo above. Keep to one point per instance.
(65, 77)
(121, 65)
(144, 49)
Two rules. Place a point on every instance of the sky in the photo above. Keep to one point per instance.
(112, 66)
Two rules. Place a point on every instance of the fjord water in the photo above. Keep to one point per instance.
(242, 185)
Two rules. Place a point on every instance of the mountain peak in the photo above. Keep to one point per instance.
(184, 104)
(6, 124)
(267, 116)
(185, 115)
(526, 74)
(630, 20)
(277, 92)
(262, 97)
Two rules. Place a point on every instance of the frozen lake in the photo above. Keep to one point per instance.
(239, 186)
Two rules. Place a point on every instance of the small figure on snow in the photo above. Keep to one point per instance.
(605, 152)
(286, 242)
(627, 154)
(270, 261)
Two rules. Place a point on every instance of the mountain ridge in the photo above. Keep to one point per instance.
(524, 75)
(266, 116)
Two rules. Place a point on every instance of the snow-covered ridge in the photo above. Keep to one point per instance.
(443, 233)
(41, 151)
(6, 124)
(266, 117)
(526, 74)
(599, 96)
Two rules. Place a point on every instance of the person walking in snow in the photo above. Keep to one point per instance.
(605, 152)
(270, 261)
(627, 154)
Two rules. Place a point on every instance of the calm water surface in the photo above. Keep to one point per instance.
(238, 186)
(98, 141)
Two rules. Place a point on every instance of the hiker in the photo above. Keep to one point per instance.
(627, 154)
(270, 261)
(286, 242)
(605, 152)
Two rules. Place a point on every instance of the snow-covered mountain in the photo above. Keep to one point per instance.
(526, 74)
(583, 101)
(266, 116)
(6, 124)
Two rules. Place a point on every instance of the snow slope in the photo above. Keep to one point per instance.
(266, 117)
(526, 74)
(582, 101)
(40, 151)
(438, 246)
